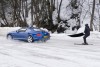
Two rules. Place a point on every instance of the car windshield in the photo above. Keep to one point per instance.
(36, 29)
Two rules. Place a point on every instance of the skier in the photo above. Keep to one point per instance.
(87, 33)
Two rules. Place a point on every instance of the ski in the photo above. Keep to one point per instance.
(81, 44)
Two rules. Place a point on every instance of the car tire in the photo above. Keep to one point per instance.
(9, 37)
(30, 39)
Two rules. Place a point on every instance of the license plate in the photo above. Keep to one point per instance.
(45, 36)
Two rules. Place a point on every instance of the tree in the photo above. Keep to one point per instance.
(32, 13)
(92, 16)
(59, 19)
(75, 11)
(2, 12)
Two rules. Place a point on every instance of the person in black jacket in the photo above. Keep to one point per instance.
(87, 33)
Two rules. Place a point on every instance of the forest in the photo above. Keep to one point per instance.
(54, 15)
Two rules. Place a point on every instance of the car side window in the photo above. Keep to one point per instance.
(22, 30)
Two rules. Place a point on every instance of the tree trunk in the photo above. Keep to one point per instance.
(92, 16)
(3, 14)
(99, 1)
(59, 12)
(31, 12)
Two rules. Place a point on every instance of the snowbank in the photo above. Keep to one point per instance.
(5, 30)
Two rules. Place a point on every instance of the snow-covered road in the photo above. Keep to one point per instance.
(59, 51)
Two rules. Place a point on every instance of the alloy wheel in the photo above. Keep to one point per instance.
(9, 37)
(30, 39)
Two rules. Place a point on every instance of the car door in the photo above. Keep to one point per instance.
(21, 34)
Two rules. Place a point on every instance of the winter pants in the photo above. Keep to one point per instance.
(84, 38)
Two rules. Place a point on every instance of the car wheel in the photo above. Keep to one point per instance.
(9, 37)
(30, 39)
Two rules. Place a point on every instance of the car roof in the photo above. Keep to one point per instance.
(31, 28)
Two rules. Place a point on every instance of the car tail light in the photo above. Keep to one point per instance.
(38, 34)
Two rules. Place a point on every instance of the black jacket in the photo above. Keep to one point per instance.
(87, 30)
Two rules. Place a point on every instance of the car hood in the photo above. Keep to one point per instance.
(12, 32)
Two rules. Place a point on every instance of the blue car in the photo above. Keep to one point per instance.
(29, 34)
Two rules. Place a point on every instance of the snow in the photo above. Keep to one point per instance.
(84, 10)
(59, 51)
(81, 29)
(5, 30)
